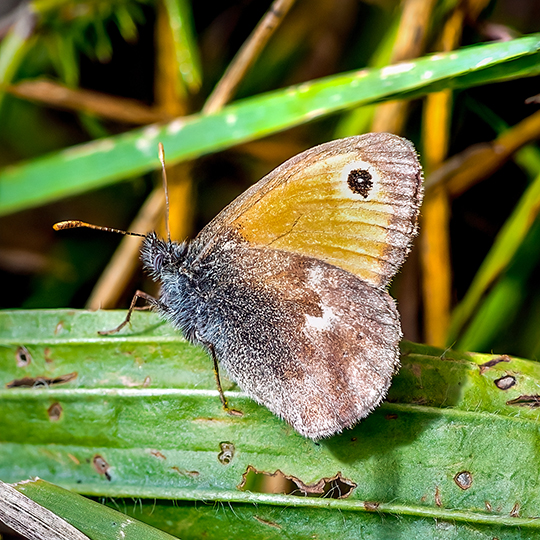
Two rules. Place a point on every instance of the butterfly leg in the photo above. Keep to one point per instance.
(226, 407)
(138, 294)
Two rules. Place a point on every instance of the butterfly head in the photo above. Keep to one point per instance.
(160, 256)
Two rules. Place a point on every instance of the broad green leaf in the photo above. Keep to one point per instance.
(139, 416)
(279, 516)
(108, 160)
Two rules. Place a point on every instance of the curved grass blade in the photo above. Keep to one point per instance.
(511, 236)
(185, 44)
(108, 160)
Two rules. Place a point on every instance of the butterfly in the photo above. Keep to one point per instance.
(287, 286)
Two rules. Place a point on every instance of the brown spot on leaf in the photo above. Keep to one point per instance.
(532, 401)
(438, 501)
(74, 459)
(227, 452)
(335, 487)
(101, 466)
(391, 416)
(267, 522)
(489, 364)
(54, 412)
(47, 355)
(23, 357)
(488, 506)
(506, 382)
(416, 370)
(463, 479)
(36, 382)
(371, 506)
(59, 327)
(146, 382)
(515, 510)
(157, 453)
(191, 474)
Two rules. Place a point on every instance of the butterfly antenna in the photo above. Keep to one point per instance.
(73, 224)
(165, 188)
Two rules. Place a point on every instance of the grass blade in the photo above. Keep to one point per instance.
(95, 520)
(108, 160)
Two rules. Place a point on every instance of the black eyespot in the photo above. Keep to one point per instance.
(359, 181)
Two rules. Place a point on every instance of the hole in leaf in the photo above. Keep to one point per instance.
(36, 382)
(23, 357)
(335, 487)
(227, 452)
(506, 382)
(491, 363)
(101, 466)
(463, 479)
(532, 401)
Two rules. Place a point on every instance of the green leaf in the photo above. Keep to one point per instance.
(139, 416)
(102, 162)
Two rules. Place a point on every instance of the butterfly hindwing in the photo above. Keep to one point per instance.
(312, 342)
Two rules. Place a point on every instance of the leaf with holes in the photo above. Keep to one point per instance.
(142, 419)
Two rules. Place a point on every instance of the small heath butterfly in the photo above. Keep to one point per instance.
(287, 286)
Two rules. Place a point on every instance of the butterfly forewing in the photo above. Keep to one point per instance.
(352, 203)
